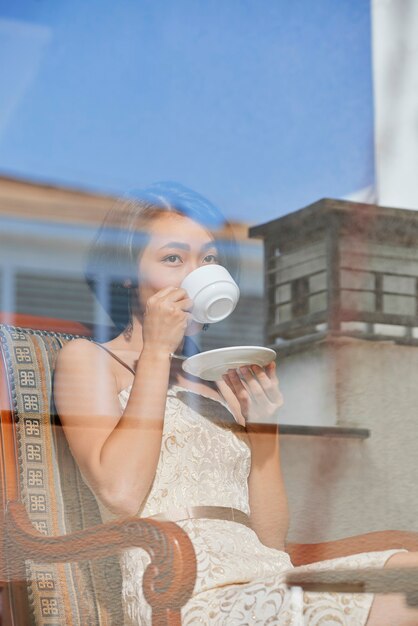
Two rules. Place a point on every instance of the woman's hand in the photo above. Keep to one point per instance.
(257, 391)
(165, 319)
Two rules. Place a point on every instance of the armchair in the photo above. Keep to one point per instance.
(58, 562)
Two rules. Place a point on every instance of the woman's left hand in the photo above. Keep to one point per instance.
(257, 391)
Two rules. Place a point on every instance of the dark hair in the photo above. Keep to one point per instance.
(113, 257)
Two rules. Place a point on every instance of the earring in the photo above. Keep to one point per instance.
(205, 327)
(127, 332)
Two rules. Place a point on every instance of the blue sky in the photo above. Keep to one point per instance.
(262, 105)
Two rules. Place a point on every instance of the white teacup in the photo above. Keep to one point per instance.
(214, 293)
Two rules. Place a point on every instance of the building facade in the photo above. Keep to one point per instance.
(341, 284)
(45, 234)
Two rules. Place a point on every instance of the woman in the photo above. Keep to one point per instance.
(151, 440)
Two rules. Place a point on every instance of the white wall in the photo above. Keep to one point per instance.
(395, 77)
(343, 487)
(309, 387)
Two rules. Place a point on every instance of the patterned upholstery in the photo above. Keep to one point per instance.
(52, 490)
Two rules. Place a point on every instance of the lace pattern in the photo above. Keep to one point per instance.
(205, 460)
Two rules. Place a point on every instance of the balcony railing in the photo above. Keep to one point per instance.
(339, 267)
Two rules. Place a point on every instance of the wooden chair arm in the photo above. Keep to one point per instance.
(168, 580)
(44, 323)
(304, 553)
(367, 580)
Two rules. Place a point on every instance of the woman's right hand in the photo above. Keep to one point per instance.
(165, 319)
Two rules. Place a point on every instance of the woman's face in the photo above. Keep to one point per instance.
(176, 247)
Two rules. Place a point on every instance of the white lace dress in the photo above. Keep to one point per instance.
(205, 460)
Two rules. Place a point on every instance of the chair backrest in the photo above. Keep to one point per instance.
(46, 479)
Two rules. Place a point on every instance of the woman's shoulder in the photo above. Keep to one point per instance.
(81, 353)
(80, 368)
(76, 347)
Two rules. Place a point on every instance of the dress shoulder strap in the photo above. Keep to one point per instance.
(112, 354)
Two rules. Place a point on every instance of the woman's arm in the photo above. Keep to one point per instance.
(118, 451)
(255, 399)
(267, 491)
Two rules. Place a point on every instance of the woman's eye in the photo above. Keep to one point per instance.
(210, 258)
(172, 258)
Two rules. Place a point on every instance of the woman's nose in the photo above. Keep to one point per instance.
(192, 265)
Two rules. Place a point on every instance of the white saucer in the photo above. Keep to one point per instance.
(211, 365)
